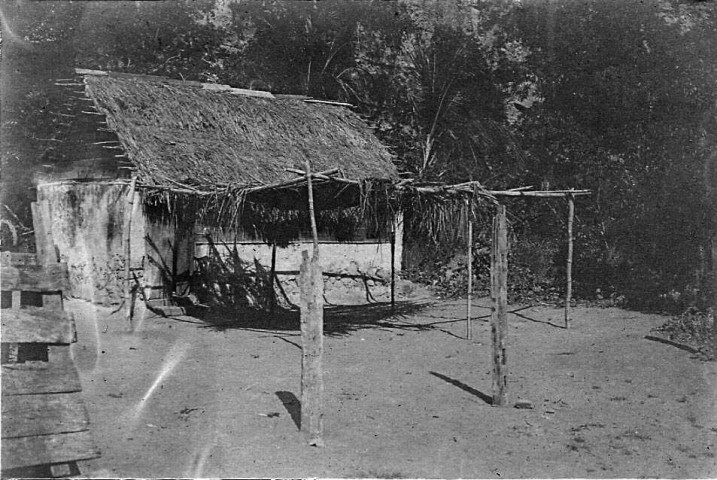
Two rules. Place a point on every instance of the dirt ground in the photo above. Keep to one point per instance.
(406, 396)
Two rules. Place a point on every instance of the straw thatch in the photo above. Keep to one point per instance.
(185, 133)
(230, 158)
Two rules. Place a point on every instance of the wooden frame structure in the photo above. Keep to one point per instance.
(312, 284)
(333, 181)
(499, 280)
(312, 288)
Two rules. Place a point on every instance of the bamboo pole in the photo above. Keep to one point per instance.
(272, 277)
(538, 193)
(469, 327)
(312, 335)
(310, 188)
(324, 173)
(128, 295)
(393, 269)
(569, 270)
(499, 310)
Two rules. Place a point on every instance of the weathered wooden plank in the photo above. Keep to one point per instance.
(52, 301)
(15, 259)
(37, 325)
(59, 375)
(28, 451)
(35, 278)
(24, 352)
(64, 470)
(10, 352)
(43, 414)
(16, 299)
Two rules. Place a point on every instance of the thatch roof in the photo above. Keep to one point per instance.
(228, 156)
(205, 136)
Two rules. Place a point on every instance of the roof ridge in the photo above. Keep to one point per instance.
(217, 87)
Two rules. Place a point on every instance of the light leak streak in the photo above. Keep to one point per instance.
(140, 323)
(198, 461)
(175, 355)
(98, 339)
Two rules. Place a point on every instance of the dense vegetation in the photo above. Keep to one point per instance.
(614, 96)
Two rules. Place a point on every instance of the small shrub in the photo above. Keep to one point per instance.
(695, 328)
(223, 279)
(532, 272)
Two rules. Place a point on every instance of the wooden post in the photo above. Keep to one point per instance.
(272, 277)
(393, 269)
(129, 210)
(469, 327)
(45, 246)
(569, 269)
(499, 310)
(311, 285)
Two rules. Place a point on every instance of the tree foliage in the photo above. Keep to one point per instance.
(618, 97)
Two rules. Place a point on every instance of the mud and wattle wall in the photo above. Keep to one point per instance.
(349, 267)
(88, 224)
(88, 229)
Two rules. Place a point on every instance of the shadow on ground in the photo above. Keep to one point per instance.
(292, 405)
(338, 319)
(466, 388)
(525, 317)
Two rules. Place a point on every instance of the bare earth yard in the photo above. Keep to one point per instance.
(406, 396)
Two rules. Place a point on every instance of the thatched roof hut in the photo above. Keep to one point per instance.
(199, 156)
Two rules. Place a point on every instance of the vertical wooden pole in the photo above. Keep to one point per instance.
(128, 295)
(569, 269)
(311, 285)
(469, 326)
(499, 310)
(393, 269)
(312, 216)
(272, 277)
(45, 246)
